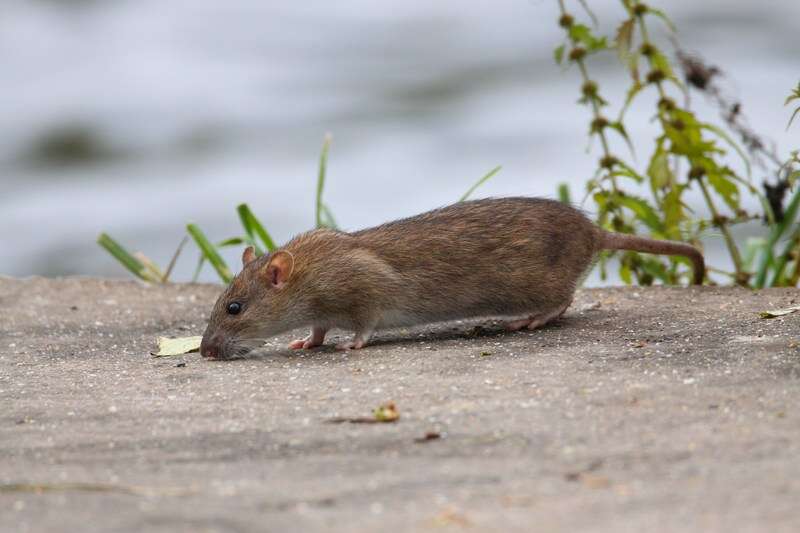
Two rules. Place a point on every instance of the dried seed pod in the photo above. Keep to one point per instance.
(608, 161)
(599, 124)
(656, 75)
(577, 53)
(647, 49)
(589, 89)
(696, 172)
(666, 103)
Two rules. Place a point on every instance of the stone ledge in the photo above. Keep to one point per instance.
(658, 408)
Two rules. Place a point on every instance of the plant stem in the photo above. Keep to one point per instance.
(733, 250)
(726, 233)
(593, 99)
(323, 165)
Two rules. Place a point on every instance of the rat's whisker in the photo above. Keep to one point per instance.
(240, 351)
(249, 341)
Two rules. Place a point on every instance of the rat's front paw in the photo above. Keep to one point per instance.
(351, 345)
(304, 344)
(314, 339)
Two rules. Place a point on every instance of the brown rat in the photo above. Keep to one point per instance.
(518, 258)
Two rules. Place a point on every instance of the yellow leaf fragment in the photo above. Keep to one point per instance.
(179, 346)
(779, 312)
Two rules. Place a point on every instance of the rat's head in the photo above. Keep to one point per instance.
(256, 305)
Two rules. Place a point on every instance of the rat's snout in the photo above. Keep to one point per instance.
(211, 346)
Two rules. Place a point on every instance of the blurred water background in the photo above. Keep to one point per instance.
(135, 117)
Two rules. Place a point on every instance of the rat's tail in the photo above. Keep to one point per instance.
(621, 241)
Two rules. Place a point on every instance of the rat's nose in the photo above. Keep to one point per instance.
(210, 347)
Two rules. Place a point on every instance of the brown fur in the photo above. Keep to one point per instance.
(508, 257)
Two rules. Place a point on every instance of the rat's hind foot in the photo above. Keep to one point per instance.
(517, 325)
(541, 320)
(536, 321)
(351, 345)
(359, 341)
(314, 339)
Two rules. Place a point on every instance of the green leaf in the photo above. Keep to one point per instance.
(661, 62)
(673, 211)
(625, 273)
(643, 211)
(724, 136)
(127, 259)
(623, 42)
(620, 128)
(655, 268)
(627, 171)
(601, 199)
(624, 38)
(663, 16)
(688, 141)
(480, 182)
(795, 95)
(658, 170)
(633, 91)
(582, 34)
(725, 187)
(558, 54)
(210, 253)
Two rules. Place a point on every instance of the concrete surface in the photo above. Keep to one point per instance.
(641, 410)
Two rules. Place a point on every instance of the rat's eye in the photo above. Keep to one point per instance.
(234, 308)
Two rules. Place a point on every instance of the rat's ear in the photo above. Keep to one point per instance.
(248, 255)
(280, 268)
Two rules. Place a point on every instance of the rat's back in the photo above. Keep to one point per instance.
(491, 257)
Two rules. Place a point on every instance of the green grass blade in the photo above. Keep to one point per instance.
(210, 252)
(174, 260)
(233, 241)
(778, 277)
(777, 231)
(323, 168)
(327, 218)
(200, 263)
(242, 211)
(254, 228)
(563, 194)
(151, 267)
(480, 182)
(126, 258)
